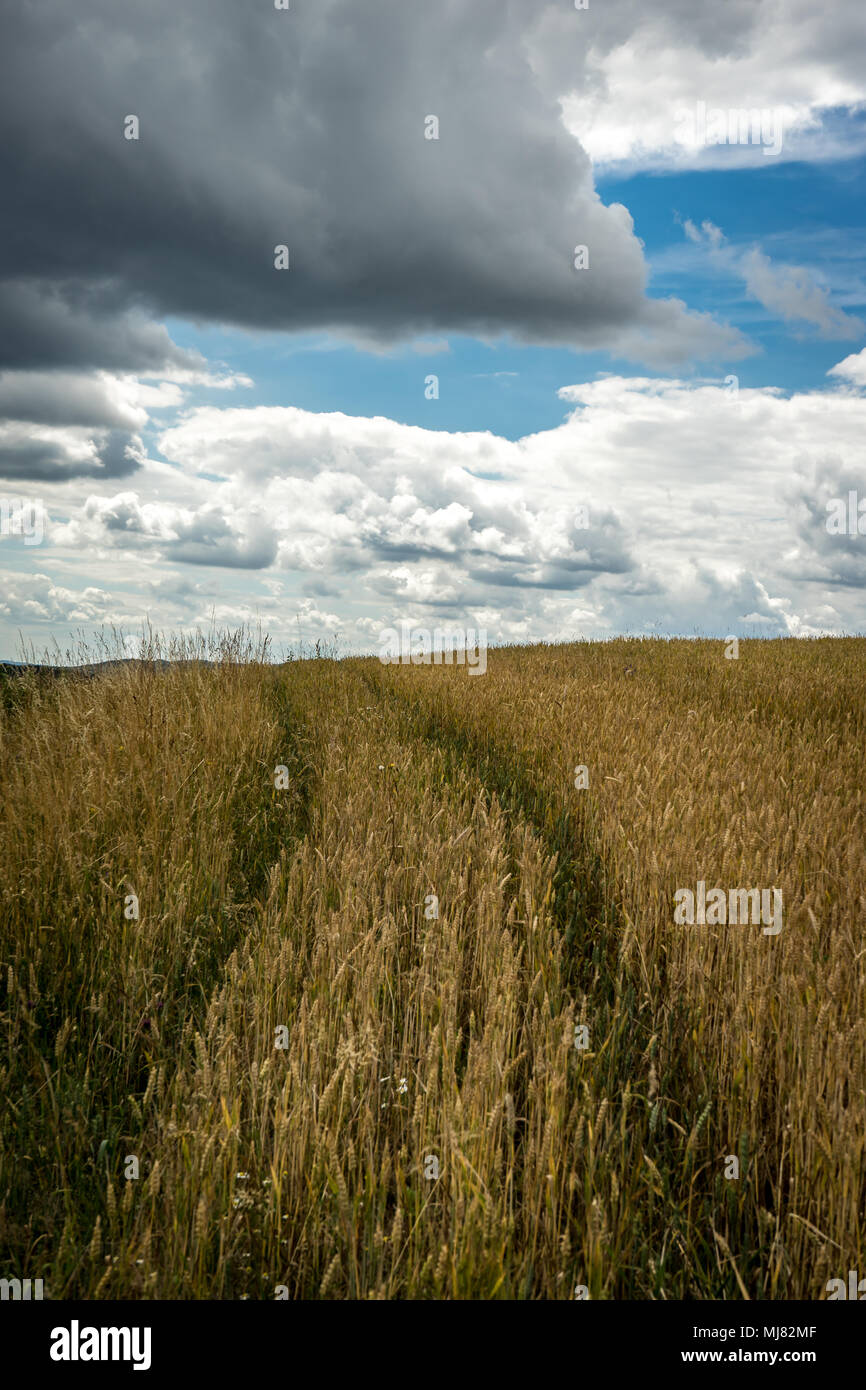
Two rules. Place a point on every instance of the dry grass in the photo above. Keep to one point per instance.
(412, 1037)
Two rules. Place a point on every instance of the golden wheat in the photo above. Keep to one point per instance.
(334, 1054)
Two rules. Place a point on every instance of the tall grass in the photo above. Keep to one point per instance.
(422, 917)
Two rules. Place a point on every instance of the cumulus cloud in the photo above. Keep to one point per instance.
(851, 368)
(76, 398)
(195, 536)
(658, 504)
(58, 425)
(42, 453)
(794, 62)
(830, 546)
(37, 598)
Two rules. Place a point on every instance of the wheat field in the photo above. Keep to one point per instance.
(326, 980)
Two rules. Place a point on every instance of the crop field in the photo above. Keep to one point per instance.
(334, 979)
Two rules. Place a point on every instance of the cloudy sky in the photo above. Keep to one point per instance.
(500, 313)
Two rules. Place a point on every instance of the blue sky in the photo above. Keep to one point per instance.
(798, 213)
(189, 434)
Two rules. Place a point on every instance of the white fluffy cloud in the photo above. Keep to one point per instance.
(852, 368)
(658, 505)
(631, 96)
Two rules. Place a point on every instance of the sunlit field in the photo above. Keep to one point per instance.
(332, 979)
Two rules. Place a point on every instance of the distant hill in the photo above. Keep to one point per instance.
(90, 669)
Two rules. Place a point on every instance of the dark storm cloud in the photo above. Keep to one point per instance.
(62, 398)
(51, 323)
(303, 127)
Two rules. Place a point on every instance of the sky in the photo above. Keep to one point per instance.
(522, 317)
